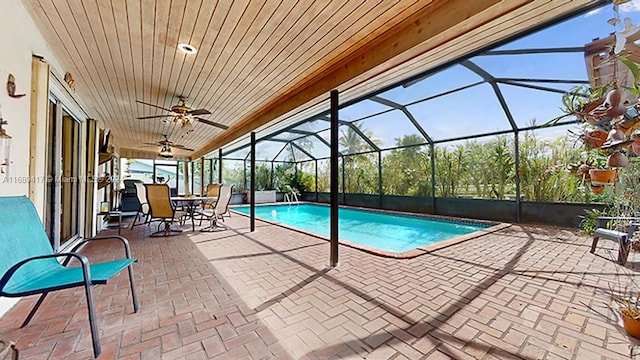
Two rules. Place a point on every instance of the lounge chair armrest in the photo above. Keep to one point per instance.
(125, 242)
(84, 262)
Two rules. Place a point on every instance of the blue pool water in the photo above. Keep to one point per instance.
(385, 231)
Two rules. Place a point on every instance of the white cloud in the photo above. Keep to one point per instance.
(631, 6)
(593, 12)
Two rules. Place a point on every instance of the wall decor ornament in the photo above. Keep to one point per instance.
(11, 87)
(70, 81)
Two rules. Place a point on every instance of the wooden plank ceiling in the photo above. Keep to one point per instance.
(258, 62)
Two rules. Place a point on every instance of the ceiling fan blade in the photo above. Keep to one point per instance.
(152, 144)
(152, 117)
(155, 106)
(199, 112)
(182, 147)
(209, 122)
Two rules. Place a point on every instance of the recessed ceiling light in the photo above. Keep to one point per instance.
(187, 49)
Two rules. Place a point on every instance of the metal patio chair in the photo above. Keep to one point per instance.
(623, 239)
(29, 265)
(162, 209)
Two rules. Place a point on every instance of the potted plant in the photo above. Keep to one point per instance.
(601, 177)
(626, 304)
(580, 103)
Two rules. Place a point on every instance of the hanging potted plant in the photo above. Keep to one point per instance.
(580, 103)
(602, 176)
(597, 189)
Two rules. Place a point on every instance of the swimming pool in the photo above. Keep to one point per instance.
(386, 231)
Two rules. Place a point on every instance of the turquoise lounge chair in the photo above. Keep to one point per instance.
(29, 265)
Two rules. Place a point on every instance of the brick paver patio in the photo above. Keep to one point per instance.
(520, 293)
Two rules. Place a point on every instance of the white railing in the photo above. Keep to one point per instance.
(291, 197)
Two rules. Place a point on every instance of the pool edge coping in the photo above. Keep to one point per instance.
(397, 255)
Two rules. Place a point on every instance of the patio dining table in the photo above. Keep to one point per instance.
(190, 203)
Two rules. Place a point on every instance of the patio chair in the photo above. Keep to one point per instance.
(622, 238)
(29, 265)
(222, 206)
(143, 210)
(226, 203)
(212, 190)
(162, 209)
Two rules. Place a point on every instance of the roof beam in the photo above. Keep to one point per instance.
(536, 51)
(496, 89)
(436, 23)
(302, 150)
(406, 113)
(531, 86)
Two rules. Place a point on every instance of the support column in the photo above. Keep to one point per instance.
(380, 179)
(271, 176)
(203, 189)
(333, 259)
(185, 177)
(244, 173)
(253, 181)
(219, 166)
(516, 149)
(316, 180)
(433, 178)
(344, 183)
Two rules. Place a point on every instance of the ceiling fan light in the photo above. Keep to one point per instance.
(165, 152)
(187, 125)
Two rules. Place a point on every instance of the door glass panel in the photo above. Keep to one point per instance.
(167, 173)
(69, 181)
(50, 198)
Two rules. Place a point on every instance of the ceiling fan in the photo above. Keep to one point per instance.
(166, 146)
(183, 114)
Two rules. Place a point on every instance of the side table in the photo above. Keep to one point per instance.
(112, 214)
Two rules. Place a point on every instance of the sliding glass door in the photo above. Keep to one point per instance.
(64, 156)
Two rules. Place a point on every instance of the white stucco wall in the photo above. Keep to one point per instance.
(20, 39)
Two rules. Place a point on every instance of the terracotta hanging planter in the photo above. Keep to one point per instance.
(585, 114)
(602, 176)
(631, 326)
(635, 146)
(597, 189)
(594, 139)
(617, 159)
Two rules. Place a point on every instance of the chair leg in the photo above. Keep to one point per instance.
(34, 309)
(133, 290)
(92, 321)
(594, 243)
(623, 252)
(134, 221)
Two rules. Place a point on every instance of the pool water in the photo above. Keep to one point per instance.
(384, 231)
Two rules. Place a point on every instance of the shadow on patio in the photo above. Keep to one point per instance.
(519, 293)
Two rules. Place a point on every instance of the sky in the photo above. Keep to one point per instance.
(477, 110)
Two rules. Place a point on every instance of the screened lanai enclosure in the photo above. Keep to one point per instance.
(482, 137)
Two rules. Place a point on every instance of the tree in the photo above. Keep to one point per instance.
(361, 170)
(449, 171)
(407, 170)
(502, 165)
